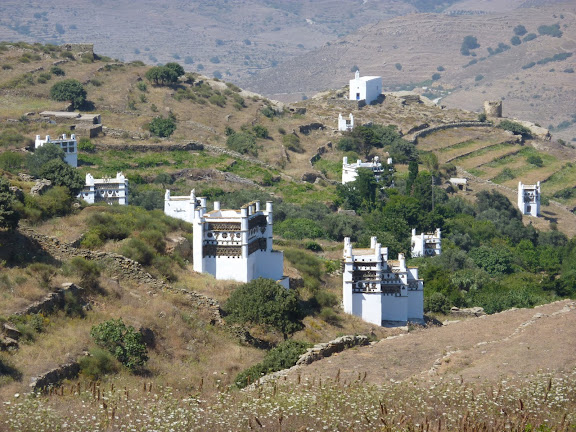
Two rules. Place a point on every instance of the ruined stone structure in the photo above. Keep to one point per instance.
(377, 289)
(345, 125)
(68, 145)
(529, 199)
(426, 244)
(367, 88)
(112, 190)
(350, 171)
(230, 244)
(493, 109)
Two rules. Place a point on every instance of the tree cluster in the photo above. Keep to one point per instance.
(165, 75)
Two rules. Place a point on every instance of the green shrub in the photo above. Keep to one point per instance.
(284, 356)
(87, 271)
(97, 364)
(529, 37)
(292, 143)
(137, 250)
(162, 127)
(58, 71)
(243, 143)
(299, 228)
(43, 273)
(269, 112)
(265, 302)
(550, 30)
(535, 160)
(55, 202)
(437, 303)
(86, 145)
(515, 128)
(260, 131)
(123, 342)
(328, 315)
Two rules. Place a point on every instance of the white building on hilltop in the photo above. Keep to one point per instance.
(112, 190)
(426, 244)
(230, 244)
(377, 289)
(367, 88)
(345, 125)
(68, 145)
(529, 199)
(350, 171)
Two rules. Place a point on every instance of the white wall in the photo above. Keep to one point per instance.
(368, 306)
(415, 305)
(394, 308)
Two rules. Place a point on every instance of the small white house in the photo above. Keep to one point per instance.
(529, 199)
(367, 88)
(345, 125)
(350, 171)
(459, 183)
(68, 145)
(377, 289)
(230, 244)
(112, 190)
(426, 244)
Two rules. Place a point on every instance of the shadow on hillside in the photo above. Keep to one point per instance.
(8, 370)
(17, 250)
(549, 216)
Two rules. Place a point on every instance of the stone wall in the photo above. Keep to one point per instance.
(317, 352)
(55, 376)
(53, 301)
(121, 267)
(432, 129)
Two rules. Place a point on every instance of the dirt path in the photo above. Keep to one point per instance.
(511, 343)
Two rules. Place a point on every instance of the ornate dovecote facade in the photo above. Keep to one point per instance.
(112, 190)
(377, 289)
(230, 244)
(426, 244)
(68, 145)
(529, 199)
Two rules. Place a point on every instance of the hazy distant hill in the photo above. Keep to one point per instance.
(424, 49)
(234, 38)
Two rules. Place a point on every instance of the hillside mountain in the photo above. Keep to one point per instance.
(422, 51)
(133, 262)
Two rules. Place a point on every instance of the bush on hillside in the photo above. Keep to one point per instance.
(122, 341)
(265, 302)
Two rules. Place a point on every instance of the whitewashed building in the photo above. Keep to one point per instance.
(377, 289)
(350, 170)
(529, 199)
(367, 88)
(345, 125)
(112, 190)
(230, 244)
(68, 145)
(426, 244)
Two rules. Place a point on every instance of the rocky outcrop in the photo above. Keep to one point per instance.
(467, 312)
(55, 376)
(41, 187)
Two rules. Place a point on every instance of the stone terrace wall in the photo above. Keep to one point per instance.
(122, 267)
(317, 352)
(53, 301)
(432, 129)
(55, 376)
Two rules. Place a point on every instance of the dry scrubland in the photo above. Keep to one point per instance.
(186, 384)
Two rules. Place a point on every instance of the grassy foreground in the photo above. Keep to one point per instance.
(543, 402)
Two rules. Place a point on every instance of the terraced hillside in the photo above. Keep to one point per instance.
(496, 156)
